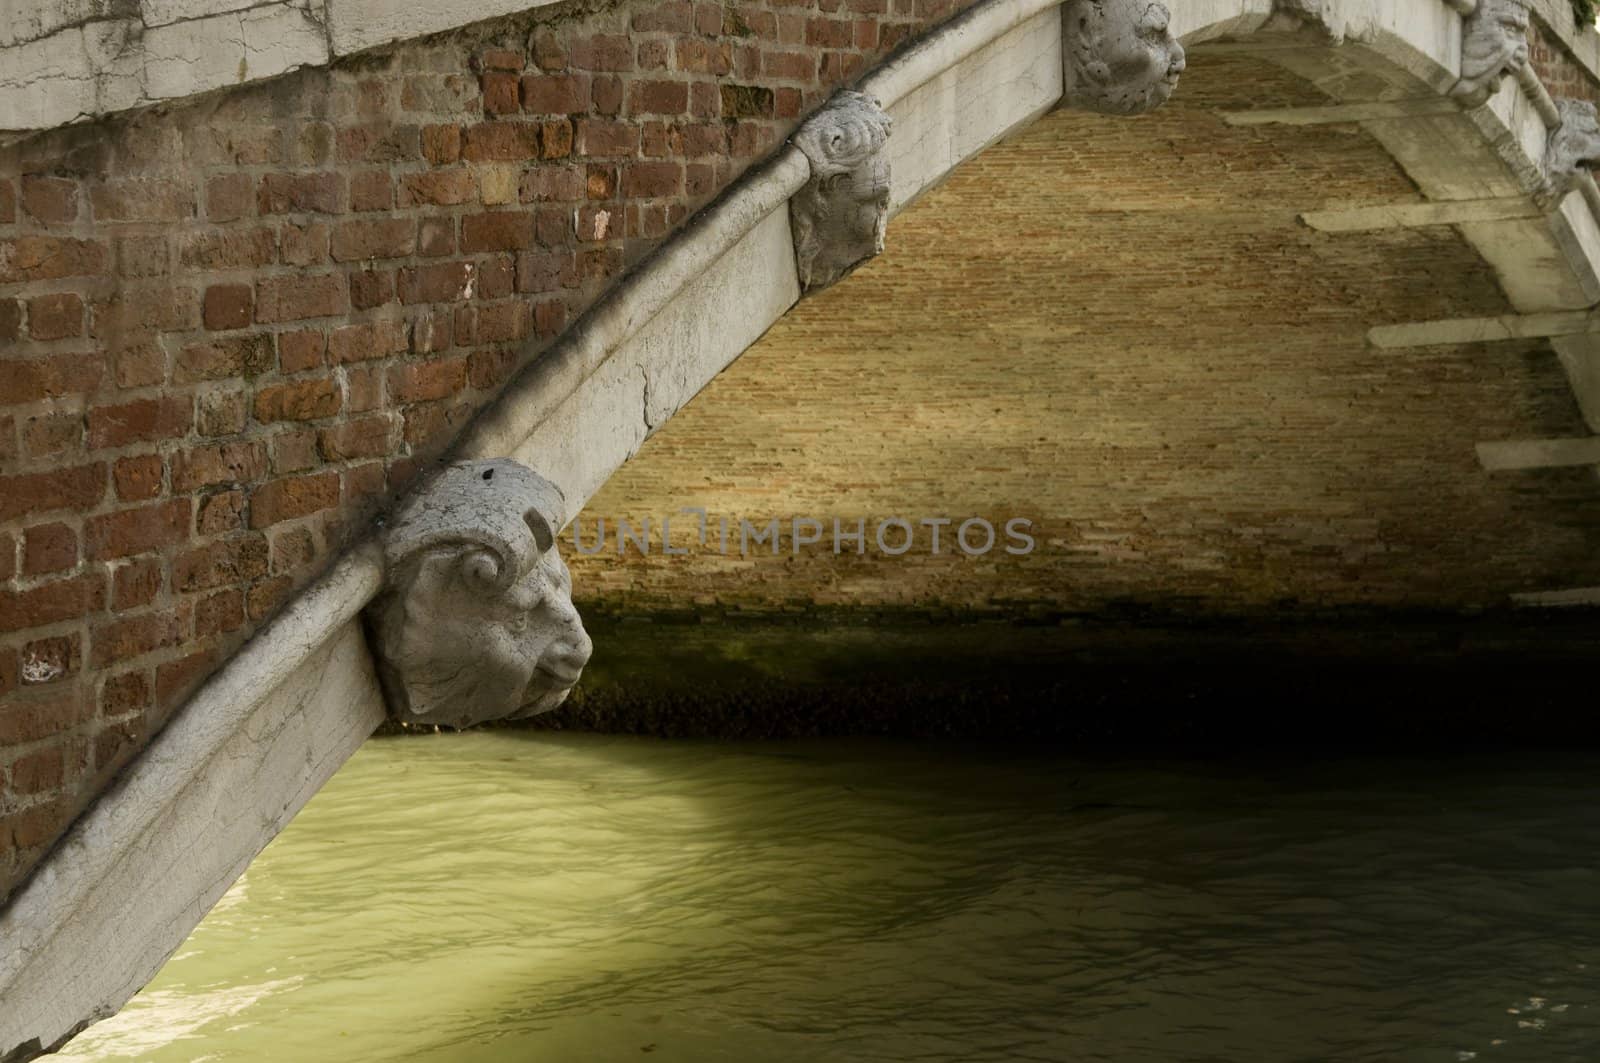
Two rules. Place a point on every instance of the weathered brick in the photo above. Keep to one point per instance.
(499, 93)
(555, 93)
(377, 339)
(53, 377)
(37, 772)
(597, 138)
(497, 231)
(425, 381)
(441, 144)
(33, 719)
(366, 437)
(652, 179)
(53, 434)
(294, 450)
(139, 421)
(10, 319)
(371, 190)
(378, 144)
(442, 283)
(228, 249)
(300, 193)
(221, 411)
(49, 548)
(658, 97)
(8, 202)
(50, 200)
(224, 561)
(176, 680)
(371, 288)
(294, 297)
(130, 312)
(125, 638)
(123, 694)
(33, 494)
(502, 141)
(55, 317)
(230, 197)
(299, 400)
(227, 306)
(25, 259)
(47, 603)
(222, 463)
(143, 199)
(220, 512)
(444, 188)
(50, 660)
(136, 583)
(219, 613)
(600, 52)
(300, 351)
(138, 478)
(383, 238)
(292, 497)
(555, 138)
(234, 356)
(137, 531)
(746, 101)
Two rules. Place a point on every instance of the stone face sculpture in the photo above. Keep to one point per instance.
(1120, 56)
(476, 620)
(1574, 147)
(838, 218)
(1494, 43)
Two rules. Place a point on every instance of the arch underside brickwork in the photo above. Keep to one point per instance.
(140, 869)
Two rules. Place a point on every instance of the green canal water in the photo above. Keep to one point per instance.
(513, 896)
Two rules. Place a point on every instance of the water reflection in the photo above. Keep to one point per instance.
(510, 896)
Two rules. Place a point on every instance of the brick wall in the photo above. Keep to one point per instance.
(1122, 331)
(229, 330)
(1563, 75)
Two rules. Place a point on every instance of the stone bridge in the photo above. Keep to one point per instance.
(262, 268)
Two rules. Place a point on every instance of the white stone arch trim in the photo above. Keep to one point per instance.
(138, 871)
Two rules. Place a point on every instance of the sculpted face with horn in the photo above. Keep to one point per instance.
(476, 620)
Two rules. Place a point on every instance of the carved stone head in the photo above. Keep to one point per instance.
(476, 620)
(1494, 43)
(1121, 57)
(838, 219)
(1574, 148)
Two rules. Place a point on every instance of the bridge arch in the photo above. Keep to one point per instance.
(282, 715)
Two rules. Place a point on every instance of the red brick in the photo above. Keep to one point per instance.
(228, 306)
(500, 59)
(53, 434)
(230, 197)
(140, 365)
(138, 478)
(371, 190)
(672, 16)
(546, 271)
(364, 383)
(64, 599)
(142, 199)
(49, 548)
(703, 57)
(135, 583)
(499, 93)
(8, 203)
(300, 400)
(131, 313)
(555, 139)
(25, 259)
(425, 381)
(221, 512)
(137, 531)
(366, 437)
(8, 556)
(223, 463)
(442, 283)
(267, 595)
(32, 494)
(40, 717)
(300, 193)
(605, 95)
(221, 413)
(59, 375)
(299, 351)
(176, 680)
(442, 188)
(652, 179)
(294, 450)
(829, 33)
(503, 322)
(602, 138)
(371, 288)
(235, 356)
(225, 561)
(139, 421)
(384, 238)
(124, 694)
(382, 143)
(441, 144)
(115, 744)
(355, 343)
(364, 482)
(658, 97)
(219, 613)
(124, 638)
(291, 298)
(50, 200)
(10, 319)
(502, 141)
(293, 497)
(555, 93)
(55, 317)
(497, 231)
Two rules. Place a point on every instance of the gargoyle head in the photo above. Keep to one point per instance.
(476, 620)
(1494, 44)
(1574, 147)
(839, 217)
(1121, 55)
